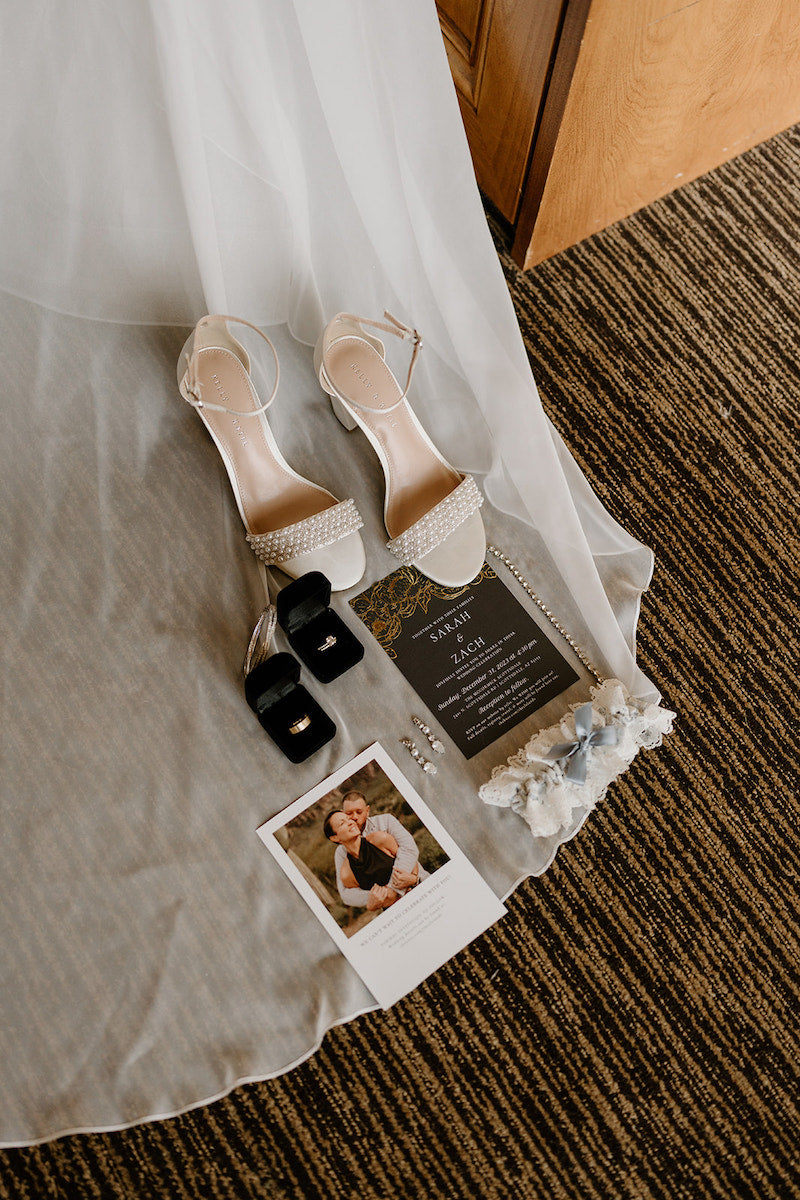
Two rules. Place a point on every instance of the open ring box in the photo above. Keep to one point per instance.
(316, 633)
(286, 710)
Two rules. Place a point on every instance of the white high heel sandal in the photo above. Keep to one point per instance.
(291, 523)
(431, 510)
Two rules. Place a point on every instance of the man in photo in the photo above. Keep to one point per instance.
(407, 872)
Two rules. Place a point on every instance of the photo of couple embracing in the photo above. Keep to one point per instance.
(364, 846)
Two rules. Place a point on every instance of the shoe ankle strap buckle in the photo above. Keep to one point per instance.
(190, 387)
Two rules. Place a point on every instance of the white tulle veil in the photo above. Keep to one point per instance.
(280, 160)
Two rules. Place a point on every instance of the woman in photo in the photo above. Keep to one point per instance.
(370, 857)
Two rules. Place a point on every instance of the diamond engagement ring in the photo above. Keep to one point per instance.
(330, 640)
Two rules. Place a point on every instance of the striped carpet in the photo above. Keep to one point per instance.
(630, 1030)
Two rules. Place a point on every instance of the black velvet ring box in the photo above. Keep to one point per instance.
(316, 633)
(290, 714)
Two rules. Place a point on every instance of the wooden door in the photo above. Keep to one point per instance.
(662, 92)
(500, 53)
(579, 112)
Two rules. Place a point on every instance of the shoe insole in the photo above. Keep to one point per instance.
(269, 494)
(418, 479)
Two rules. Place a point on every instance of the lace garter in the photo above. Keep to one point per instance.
(571, 764)
(537, 782)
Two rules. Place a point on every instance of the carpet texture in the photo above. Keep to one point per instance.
(630, 1029)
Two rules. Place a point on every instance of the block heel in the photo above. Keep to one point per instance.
(342, 415)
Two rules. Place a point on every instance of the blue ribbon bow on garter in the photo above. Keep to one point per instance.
(573, 757)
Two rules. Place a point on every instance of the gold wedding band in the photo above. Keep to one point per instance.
(300, 725)
(330, 640)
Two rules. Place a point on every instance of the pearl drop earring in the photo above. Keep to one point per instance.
(436, 745)
(425, 763)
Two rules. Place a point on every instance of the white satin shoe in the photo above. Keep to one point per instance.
(291, 523)
(431, 510)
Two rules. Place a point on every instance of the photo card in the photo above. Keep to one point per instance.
(381, 874)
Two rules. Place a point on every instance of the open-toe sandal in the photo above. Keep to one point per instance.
(290, 522)
(431, 510)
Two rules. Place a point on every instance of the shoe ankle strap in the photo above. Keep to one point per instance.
(190, 386)
(404, 332)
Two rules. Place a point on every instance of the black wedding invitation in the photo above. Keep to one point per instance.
(473, 654)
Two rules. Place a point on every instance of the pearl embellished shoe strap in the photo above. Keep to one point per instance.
(314, 533)
(526, 587)
(430, 531)
(190, 387)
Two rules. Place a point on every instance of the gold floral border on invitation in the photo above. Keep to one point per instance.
(385, 606)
